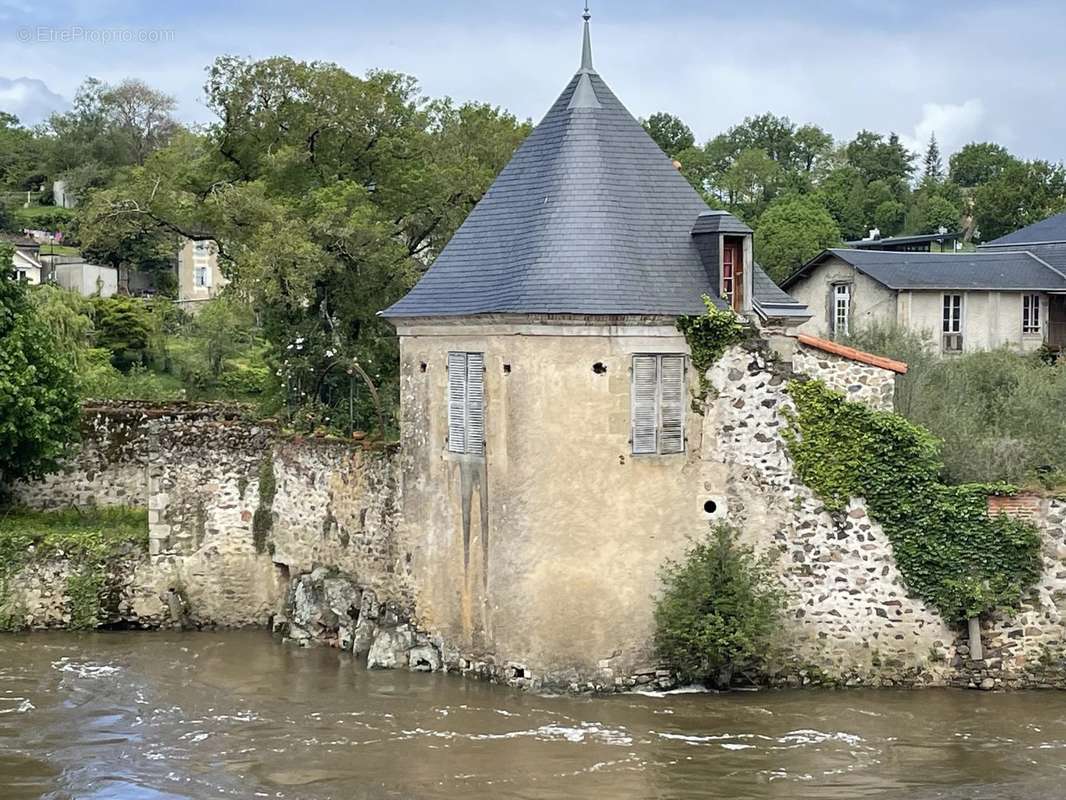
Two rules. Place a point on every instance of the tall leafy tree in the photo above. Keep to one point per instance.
(671, 134)
(1020, 194)
(39, 407)
(328, 195)
(978, 163)
(794, 229)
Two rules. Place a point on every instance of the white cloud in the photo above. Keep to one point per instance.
(954, 125)
(29, 99)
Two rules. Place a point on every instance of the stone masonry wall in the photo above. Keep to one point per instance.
(863, 383)
(849, 618)
(248, 525)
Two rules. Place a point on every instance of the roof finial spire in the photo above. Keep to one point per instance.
(586, 47)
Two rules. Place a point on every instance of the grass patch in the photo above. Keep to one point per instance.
(89, 539)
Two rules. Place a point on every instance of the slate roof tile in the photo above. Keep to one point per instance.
(588, 217)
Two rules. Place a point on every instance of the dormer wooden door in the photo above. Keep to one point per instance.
(733, 273)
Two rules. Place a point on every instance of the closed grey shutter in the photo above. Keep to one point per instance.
(475, 403)
(457, 402)
(645, 411)
(672, 404)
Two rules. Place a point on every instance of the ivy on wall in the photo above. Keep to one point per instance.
(93, 540)
(709, 336)
(952, 554)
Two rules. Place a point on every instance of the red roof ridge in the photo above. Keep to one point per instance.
(844, 351)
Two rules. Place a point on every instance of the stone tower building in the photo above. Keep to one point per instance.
(551, 456)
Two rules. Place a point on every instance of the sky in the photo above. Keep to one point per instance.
(966, 71)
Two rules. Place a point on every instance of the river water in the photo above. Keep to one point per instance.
(154, 716)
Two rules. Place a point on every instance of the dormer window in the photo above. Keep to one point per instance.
(733, 272)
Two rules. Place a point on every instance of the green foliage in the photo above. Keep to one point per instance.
(978, 163)
(913, 348)
(671, 134)
(718, 610)
(39, 410)
(90, 539)
(793, 230)
(932, 211)
(994, 411)
(222, 329)
(709, 336)
(123, 326)
(1020, 194)
(951, 553)
(998, 414)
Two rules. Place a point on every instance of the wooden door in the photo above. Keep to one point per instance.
(1056, 318)
(733, 274)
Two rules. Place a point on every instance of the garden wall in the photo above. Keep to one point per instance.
(249, 526)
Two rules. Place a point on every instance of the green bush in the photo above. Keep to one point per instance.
(89, 539)
(952, 554)
(124, 326)
(39, 411)
(997, 412)
(718, 610)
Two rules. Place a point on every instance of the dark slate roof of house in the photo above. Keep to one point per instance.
(897, 241)
(589, 217)
(1003, 270)
(715, 221)
(1052, 229)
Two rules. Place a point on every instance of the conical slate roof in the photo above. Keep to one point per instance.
(589, 217)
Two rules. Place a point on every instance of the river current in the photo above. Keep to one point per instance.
(161, 716)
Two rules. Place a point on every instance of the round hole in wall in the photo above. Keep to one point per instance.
(599, 368)
(422, 367)
(710, 506)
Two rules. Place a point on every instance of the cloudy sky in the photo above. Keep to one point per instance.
(975, 70)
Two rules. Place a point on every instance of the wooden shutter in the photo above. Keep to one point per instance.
(457, 383)
(475, 403)
(645, 411)
(672, 404)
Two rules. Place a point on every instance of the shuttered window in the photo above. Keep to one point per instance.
(658, 404)
(466, 403)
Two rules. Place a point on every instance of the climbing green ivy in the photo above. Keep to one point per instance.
(952, 554)
(91, 539)
(709, 336)
(263, 518)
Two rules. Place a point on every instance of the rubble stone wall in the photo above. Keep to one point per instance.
(249, 526)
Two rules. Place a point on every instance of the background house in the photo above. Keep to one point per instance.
(26, 259)
(963, 302)
(199, 276)
(920, 243)
(1047, 241)
(87, 279)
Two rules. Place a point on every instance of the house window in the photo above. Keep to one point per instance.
(21, 275)
(658, 404)
(841, 308)
(200, 277)
(1031, 313)
(952, 323)
(466, 403)
(733, 273)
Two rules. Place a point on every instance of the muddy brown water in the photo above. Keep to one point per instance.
(156, 716)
